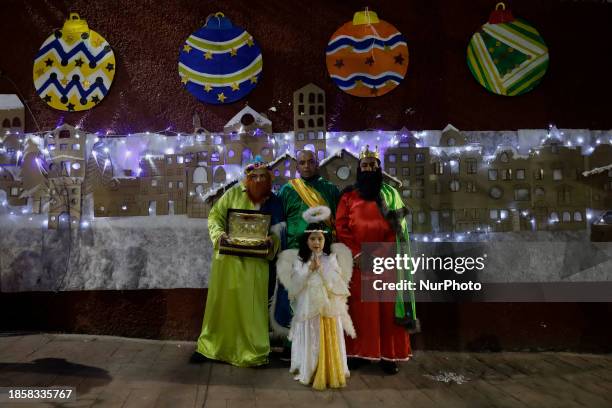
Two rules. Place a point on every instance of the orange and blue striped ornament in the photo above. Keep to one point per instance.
(367, 57)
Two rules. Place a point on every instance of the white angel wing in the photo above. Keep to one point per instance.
(284, 267)
(345, 260)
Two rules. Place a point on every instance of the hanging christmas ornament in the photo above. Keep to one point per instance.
(507, 56)
(367, 56)
(74, 68)
(220, 63)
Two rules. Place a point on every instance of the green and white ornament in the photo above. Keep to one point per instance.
(507, 55)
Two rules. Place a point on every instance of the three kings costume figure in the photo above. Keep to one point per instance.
(298, 195)
(235, 327)
(373, 211)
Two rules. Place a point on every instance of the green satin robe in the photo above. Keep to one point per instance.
(294, 207)
(235, 327)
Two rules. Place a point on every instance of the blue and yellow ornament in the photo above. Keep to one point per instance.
(220, 63)
(74, 68)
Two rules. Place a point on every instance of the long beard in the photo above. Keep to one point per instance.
(369, 184)
(259, 191)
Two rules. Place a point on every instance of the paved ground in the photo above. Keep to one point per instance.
(119, 372)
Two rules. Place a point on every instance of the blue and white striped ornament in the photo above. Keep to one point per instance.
(220, 63)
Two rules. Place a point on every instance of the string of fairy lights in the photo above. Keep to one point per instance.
(98, 144)
(351, 141)
(383, 139)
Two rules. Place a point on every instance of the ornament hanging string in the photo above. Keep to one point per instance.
(369, 22)
(216, 15)
(501, 14)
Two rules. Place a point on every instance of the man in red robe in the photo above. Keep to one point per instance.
(373, 211)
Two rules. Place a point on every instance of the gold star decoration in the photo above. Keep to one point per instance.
(184, 79)
(39, 71)
(250, 42)
(386, 48)
(233, 52)
(86, 84)
(221, 98)
(97, 42)
(235, 87)
(187, 48)
(359, 82)
(208, 55)
(207, 87)
(254, 80)
(390, 83)
(63, 81)
(69, 38)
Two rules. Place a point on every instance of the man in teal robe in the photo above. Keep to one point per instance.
(310, 190)
(235, 327)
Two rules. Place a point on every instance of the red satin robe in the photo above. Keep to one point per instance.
(378, 336)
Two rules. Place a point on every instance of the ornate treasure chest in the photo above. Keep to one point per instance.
(247, 231)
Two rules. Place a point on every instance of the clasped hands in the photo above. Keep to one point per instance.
(315, 263)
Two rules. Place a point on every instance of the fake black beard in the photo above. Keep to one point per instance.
(369, 184)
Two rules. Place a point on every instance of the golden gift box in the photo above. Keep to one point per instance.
(247, 232)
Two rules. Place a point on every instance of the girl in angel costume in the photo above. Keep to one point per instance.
(317, 276)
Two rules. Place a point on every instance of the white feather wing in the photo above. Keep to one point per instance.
(345, 260)
(284, 267)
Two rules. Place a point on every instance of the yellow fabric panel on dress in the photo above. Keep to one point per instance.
(329, 369)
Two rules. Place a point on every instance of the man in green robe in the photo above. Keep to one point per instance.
(235, 327)
(298, 195)
(310, 190)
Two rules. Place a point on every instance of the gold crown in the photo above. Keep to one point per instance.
(369, 153)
